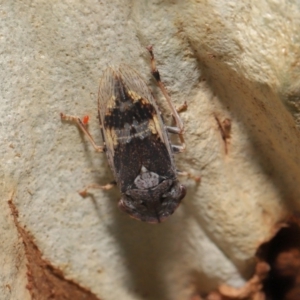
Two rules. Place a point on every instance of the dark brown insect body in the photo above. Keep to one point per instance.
(137, 145)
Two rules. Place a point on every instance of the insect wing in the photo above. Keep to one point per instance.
(135, 84)
(119, 91)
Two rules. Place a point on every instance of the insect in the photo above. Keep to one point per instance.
(137, 144)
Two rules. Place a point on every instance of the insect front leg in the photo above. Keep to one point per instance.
(83, 128)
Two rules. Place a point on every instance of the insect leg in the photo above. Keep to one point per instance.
(176, 148)
(178, 121)
(106, 187)
(156, 75)
(189, 175)
(182, 107)
(83, 128)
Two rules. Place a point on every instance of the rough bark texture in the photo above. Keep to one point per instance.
(236, 61)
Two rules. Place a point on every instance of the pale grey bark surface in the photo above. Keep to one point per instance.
(237, 60)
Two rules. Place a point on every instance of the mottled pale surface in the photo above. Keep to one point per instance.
(229, 59)
(12, 259)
